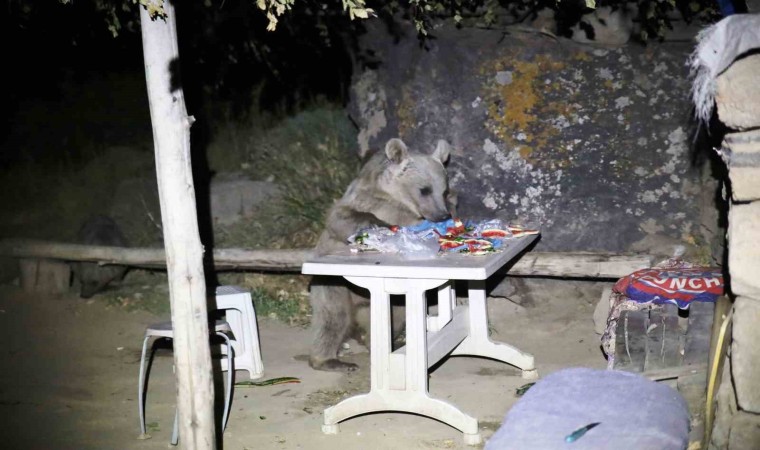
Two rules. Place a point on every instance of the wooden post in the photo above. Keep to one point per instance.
(184, 252)
(44, 275)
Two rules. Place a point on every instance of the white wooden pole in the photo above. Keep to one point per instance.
(184, 252)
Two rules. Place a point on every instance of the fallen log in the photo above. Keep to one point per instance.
(539, 264)
(274, 260)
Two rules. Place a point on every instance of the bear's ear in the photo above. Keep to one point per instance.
(396, 150)
(442, 151)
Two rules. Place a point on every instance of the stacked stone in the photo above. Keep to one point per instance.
(738, 100)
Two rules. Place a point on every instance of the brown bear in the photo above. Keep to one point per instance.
(394, 187)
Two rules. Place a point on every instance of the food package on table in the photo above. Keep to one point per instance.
(427, 238)
(394, 240)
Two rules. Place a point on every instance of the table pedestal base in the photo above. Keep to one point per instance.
(399, 380)
(402, 401)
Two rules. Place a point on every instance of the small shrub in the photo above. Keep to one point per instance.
(281, 297)
(310, 157)
(281, 307)
(141, 290)
(50, 200)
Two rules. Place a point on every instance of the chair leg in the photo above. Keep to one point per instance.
(227, 397)
(230, 380)
(141, 388)
(175, 428)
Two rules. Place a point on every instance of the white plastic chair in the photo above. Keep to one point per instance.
(240, 314)
(164, 330)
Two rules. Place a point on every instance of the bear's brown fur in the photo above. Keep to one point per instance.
(395, 187)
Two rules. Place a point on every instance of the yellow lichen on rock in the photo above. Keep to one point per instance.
(582, 56)
(405, 112)
(520, 107)
(525, 152)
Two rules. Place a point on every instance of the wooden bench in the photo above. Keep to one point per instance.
(44, 265)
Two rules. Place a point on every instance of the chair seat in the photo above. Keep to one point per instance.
(166, 330)
(241, 349)
(238, 308)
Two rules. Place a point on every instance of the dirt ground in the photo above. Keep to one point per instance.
(70, 368)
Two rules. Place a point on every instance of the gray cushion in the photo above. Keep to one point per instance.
(634, 414)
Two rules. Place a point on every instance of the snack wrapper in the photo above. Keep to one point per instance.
(428, 239)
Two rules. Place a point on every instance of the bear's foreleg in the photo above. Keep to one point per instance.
(332, 321)
(362, 319)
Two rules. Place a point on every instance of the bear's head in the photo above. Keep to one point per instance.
(417, 180)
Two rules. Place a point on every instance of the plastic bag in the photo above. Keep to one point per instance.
(404, 241)
(427, 239)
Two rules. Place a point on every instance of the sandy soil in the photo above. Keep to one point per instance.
(70, 366)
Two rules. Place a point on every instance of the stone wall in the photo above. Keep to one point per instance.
(590, 144)
(737, 425)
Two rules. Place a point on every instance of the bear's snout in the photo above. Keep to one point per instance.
(439, 216)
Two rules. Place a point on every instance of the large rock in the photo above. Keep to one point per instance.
(744, 254)
(592, 145)
(230, 197)
(135, 207)
(233, 197)
(745, 432)
(744, 164)
(745, 354)
(738, 94)
(725, 408)
(612, 27)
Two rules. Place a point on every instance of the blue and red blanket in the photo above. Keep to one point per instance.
(679, 286)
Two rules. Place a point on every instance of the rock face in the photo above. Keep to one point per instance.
(744, 262)
(592, 145)
(136, 209)
(745, 350)
(604, 26)
(745, 431)
(234, 197)
(737, 425)
(231, 198)
(738, 94)
(744, 164)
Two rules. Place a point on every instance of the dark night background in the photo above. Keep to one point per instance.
(61, 53)
(276, 126)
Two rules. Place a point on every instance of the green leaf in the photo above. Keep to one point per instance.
(523, 389)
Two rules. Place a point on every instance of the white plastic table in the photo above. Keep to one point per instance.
(399, 379)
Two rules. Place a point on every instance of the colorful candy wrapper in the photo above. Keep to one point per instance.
(429, 238)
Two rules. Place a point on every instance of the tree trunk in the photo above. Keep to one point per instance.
(184, 252)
